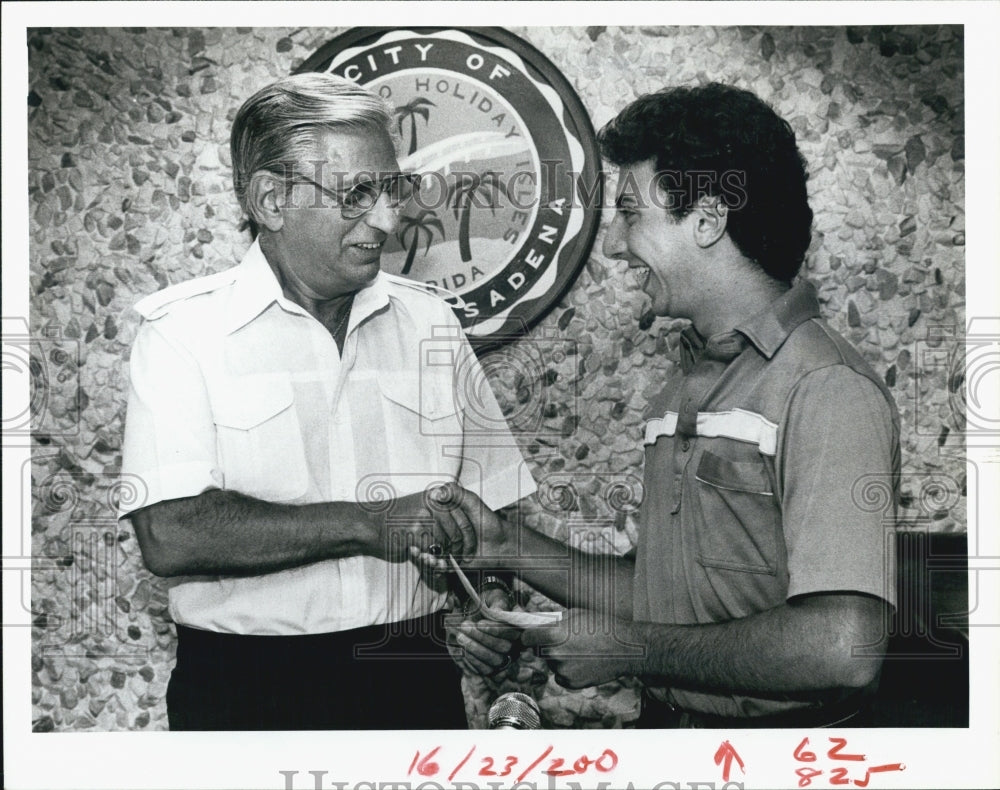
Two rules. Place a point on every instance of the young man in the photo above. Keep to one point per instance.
(288, 417)
(759, 592)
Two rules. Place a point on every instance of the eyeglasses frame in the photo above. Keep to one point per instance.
(385, 182)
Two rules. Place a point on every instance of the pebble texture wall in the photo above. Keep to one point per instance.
(130, 191)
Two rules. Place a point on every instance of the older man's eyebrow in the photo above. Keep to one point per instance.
(626, 200)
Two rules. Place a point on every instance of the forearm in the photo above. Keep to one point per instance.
(224, 532)
(803, 646)
(571, 577)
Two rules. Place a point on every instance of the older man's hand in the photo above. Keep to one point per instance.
(492, 538)
(423, 523)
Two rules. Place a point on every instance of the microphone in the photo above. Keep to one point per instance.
(514, 711)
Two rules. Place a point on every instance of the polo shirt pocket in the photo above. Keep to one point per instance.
(738, 519)
(260, 439)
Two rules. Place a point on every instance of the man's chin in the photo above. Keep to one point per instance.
(372, 269)
(363, 276)
(363, 273)
(657, 304)
(373, 263)
(660, 308)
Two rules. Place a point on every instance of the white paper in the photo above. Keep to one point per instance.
(516, 619)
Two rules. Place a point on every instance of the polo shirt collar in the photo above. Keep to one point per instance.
(257, 289)
(769, 329)
(722, 347)
(766, 331)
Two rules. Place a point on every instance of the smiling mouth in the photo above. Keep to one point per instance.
(370, 246)
(641, 273)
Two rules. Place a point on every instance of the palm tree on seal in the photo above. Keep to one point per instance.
(410, 110)
(423, 224)
(464, 191)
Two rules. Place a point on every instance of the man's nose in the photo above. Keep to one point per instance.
(383, 215)
(614, 240)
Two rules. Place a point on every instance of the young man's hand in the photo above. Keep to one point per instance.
(478, 645)
(587, 648)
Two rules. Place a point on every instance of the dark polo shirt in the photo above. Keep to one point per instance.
(770, 473)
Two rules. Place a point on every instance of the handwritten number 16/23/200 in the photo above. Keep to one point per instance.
(426, 765)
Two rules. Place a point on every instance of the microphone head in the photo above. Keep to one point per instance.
(514, 711)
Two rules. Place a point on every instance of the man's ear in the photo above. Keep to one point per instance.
(711, 216)
(266, 200)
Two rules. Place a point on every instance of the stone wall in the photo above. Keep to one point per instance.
(129, 191)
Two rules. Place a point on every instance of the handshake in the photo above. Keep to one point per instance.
(446, 529)
(442, 521)
(440, 530)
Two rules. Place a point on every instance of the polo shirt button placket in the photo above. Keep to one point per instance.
(679, 464)
(686, 427)
(676, 508)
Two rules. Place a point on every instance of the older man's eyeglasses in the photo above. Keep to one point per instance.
(362, 197)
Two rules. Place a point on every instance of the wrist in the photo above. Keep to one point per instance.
(496, 593)
(635, 634)
(494, 537)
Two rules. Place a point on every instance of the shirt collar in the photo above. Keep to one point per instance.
(722, 347)
(769, 329)
(257, 289)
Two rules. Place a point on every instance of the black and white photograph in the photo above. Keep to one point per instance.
(624, 384)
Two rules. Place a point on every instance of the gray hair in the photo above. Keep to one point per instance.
(276, 127)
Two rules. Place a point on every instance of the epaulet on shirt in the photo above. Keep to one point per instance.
(424, 288)
(160, 303)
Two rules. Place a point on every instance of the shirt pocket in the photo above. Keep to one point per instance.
(260, 439)
(423, 427)
(738, 518)
(421, 399)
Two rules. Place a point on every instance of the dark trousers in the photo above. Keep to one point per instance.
(395, 676)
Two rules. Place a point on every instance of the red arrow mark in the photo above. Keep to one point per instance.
(725, 754)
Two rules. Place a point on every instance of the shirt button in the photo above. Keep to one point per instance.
(685, 445)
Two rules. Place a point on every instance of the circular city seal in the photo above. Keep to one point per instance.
(510, 200)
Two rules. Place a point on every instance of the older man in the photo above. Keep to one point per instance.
(760, 588)
(289, 417)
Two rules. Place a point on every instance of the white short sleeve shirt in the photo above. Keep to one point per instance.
(235, 387)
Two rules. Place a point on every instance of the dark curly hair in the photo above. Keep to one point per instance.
(717, 140)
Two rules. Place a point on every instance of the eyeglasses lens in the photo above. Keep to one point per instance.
(364, 196)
